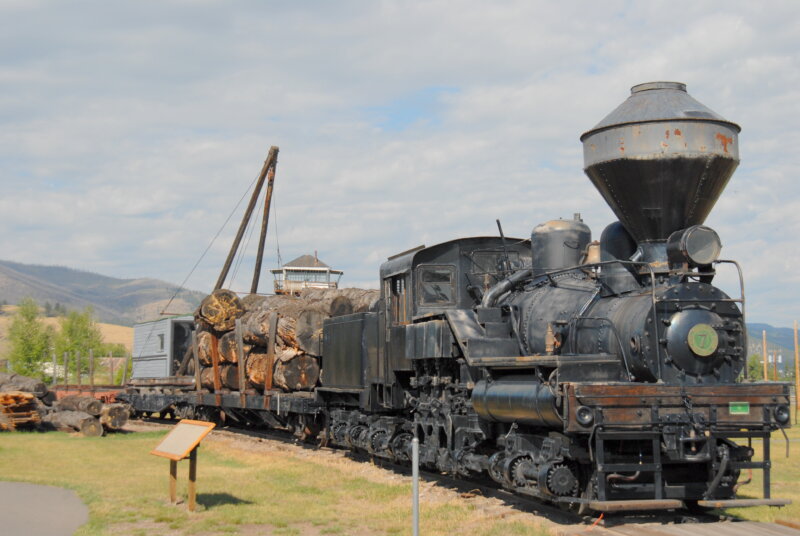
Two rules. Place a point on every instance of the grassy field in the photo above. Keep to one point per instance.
(248, 487)
(240, 490)
(785, 479)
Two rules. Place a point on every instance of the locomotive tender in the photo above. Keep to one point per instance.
(598, 375)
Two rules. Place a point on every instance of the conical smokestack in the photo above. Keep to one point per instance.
(661, 160)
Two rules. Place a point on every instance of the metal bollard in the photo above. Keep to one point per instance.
(415, 486)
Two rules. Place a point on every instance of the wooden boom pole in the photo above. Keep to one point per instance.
(273, 154)
(264, 223)
(764, 351)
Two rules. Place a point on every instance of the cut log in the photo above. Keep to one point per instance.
(308, 311)
(204, 347)
(228, 376)
(86, 404)
(16, 382)
(220, 309)
(255, 326)
(114, 416)
(361, 300)
(79, 421)
(256, 368)
(299, 373)
(286, 332)
(308, 331)
(228, 350)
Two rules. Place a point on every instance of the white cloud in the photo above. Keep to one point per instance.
(130, 130)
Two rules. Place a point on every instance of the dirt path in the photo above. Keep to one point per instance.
(35, 510)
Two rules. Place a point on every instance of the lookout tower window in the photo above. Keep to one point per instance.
(436, 285)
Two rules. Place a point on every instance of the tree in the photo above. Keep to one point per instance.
(755, 367)
(79, 334)
(30, 340)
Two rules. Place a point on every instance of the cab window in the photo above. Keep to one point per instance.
(436, 285)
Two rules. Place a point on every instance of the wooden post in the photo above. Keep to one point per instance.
(775, 365)
(173, 481)
(241, 364)
(196, 362)
(796, 374)
(111, 369)
(193, 478)
(125, 370)
(55, 367)
(273, 333)
(91, 368)
(66, 368)
(78, 368)
(215, 370)
(766, 355)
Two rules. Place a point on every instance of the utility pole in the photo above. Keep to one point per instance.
(796, 374)
(764, 351)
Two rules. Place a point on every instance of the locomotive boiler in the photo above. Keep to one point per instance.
(601, 375)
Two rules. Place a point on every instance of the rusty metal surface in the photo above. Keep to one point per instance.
(635, 505)
(739, 503)
(631, 403)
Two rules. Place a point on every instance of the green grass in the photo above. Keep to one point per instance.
(279, 492)
(785, 478)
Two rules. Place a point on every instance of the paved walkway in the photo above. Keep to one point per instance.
(33, 510)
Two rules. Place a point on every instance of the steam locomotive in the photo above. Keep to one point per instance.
(600, 375)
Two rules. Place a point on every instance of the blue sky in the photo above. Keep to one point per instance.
(129, 130)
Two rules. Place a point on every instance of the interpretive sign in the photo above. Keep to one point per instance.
(182, 439)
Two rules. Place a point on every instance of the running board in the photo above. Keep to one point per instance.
(742, 503)
(645, 504)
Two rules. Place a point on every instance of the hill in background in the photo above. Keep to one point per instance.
(115, 301)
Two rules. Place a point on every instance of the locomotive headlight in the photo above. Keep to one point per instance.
(781, 414)
(698, 246)
(584, 416)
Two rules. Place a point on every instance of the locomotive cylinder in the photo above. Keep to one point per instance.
(524, 400)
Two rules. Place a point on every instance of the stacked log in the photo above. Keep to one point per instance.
(15, 382)
(18, 410)
(114, 416)
(298, 343)
(75, 421)
(84, 414)
(86, 404)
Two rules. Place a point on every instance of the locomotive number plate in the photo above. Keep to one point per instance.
(739, 408)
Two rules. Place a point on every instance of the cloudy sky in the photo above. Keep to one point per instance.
(130, 130)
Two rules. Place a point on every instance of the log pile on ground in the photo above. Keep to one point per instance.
(27, 402)
(18, 410)
(298, 342)
(75, 421)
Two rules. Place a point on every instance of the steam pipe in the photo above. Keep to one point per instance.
(492, 295)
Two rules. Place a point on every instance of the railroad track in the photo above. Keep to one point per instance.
(565, 523)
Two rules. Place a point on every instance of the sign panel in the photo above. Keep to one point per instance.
(186, 435)
(739, 408)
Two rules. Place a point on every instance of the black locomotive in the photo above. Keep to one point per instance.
(601, 375)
